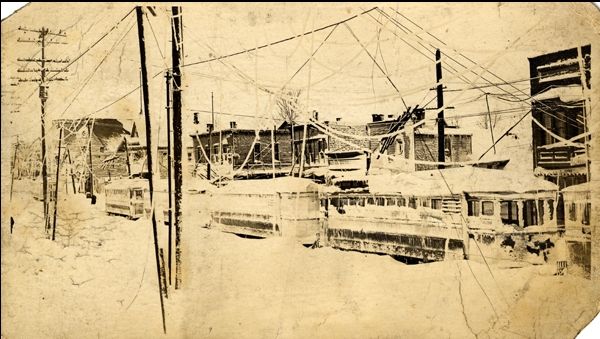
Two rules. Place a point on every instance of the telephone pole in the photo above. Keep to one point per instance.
(177, 56)
(440, 104)
(44, 79)
(168, 78)
(210, 131)
(146, 109)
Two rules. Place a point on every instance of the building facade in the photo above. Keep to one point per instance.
(558, 83)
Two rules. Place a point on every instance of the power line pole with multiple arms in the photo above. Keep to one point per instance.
(177, 56)
(43, 80)
(440, 103)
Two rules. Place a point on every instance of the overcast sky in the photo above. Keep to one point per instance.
(340, 80)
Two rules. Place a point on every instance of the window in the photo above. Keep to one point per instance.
(399, 147)
(473, 208)
(277, 152)
(448, 147)
(425, 203)
(436, 204)
(530, 216)
(551, 211)
(509, 212)
(586, 213)
(401, 201)
(487, 208)
(541, 209)
(256, 153)
(572, 212)
(412, 202)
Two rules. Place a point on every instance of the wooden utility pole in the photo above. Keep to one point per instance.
(440, 104)
(92, 197)
(71, 170)
(302, 156)
(43, 81)
(60, 135)
(210, 131)
(169, 174)
(490, 119)
(273, 150)
(14, 165)
(177, 56)
(146, 109)
(127, 157)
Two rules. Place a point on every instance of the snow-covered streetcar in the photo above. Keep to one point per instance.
(126, 197)
(287, 207)
(456, 213)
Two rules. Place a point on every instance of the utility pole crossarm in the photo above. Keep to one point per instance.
(64, 61)
(44, 31)
(22, 70)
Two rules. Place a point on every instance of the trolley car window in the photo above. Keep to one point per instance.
(530, 213)
(401, 201)
(487, 208)
(412, 202)
(572, 212)
(541, 211)
(509, 212)
(436, 204)
(586, 213)
(551, 214)
(473, 208)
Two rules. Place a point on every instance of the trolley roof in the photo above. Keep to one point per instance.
(270, 186)
(459, 180)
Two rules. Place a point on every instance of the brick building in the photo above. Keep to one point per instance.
(231, 146)
(419, 142)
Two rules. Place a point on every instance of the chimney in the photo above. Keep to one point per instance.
(390, 116)
(209, 127)
(232, 124)
(377, 117)
(196, 119)
(326, 122)
(315, 115)
(338, 119)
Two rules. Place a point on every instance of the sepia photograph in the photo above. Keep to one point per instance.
(300, 170)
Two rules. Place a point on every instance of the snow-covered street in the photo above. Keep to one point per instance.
(98, 279)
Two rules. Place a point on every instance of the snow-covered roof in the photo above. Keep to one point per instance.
(270, 186)
(569, 93)
(449, 131)
(458, 180)
(560, 144)
(585, 187)
(128, 182)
